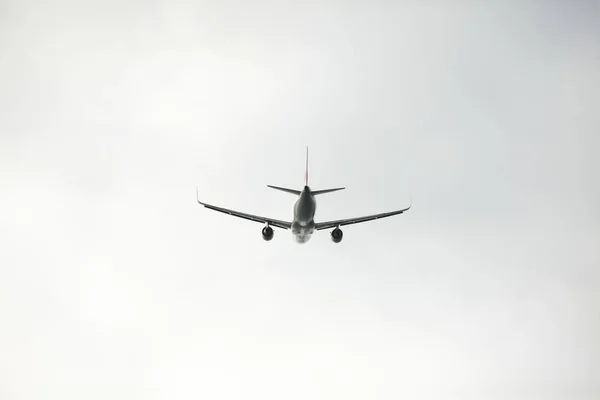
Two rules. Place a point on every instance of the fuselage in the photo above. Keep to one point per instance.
(303, 224)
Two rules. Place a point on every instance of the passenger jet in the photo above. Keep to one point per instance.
(303, 225)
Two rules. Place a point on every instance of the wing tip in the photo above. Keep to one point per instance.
(198, 198)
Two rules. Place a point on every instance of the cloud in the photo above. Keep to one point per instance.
(115, 283)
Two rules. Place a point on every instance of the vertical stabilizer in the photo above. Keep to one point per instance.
(306, 169)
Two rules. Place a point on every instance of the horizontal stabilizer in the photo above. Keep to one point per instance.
(316, 192)
(292, 191)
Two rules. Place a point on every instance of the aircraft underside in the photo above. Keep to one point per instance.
(303, 224)
(302, 233)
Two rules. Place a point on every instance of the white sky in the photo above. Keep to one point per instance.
(115, 283)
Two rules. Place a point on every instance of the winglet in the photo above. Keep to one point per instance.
(198, 198)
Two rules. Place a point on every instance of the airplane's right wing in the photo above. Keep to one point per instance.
(350, 221)
(272, 222)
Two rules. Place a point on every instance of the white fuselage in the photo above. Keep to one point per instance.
(303, 224)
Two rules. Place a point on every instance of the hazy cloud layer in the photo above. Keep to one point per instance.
(114, 283)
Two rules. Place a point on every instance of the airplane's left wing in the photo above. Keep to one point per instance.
(350, 221)
(272, 222)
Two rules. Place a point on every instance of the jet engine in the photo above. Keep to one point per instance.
(337, 235)
(267, 233)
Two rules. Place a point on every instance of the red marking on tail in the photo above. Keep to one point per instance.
(306, 170)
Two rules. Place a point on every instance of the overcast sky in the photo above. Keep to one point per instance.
(116, 284)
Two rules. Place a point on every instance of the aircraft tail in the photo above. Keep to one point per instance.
(316, 192)
(306, 169)
(298, 192)
(292, 191)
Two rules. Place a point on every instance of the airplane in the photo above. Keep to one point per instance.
(303, 224)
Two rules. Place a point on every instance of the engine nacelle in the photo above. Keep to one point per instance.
(337, 235)
(267, 233)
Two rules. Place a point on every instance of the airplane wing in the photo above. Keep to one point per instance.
(350, 221)
(272, 222)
